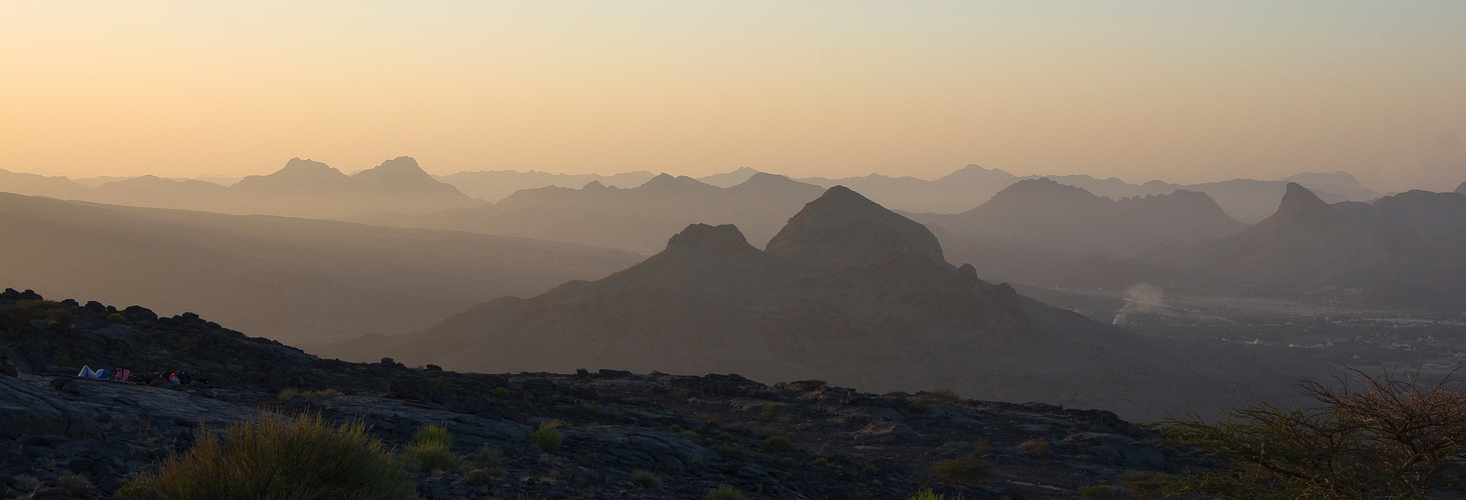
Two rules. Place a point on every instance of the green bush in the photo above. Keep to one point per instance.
(771, 410)
(277, 458)
(75, 484)
(1098, 492)
(547, 437)
(930, 495)
(788, 462)
(440, 384)
(646, 479)
(500, 392)
(726, 492)
(1380, 436)
(775, 444)
(730, 451)
(115, 318)
(52, 312)
(962, 470)
(822, 461)
(431, 449)
(433, 434)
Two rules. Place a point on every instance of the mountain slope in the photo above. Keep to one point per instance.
(1412, 242)
(292, 279)
(847, 292)
(1059, 223)
(637, 219)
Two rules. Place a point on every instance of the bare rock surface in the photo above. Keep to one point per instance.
(693, 432)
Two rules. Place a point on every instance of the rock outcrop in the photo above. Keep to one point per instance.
(693, 432)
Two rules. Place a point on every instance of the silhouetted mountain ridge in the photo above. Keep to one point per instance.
(847, 292)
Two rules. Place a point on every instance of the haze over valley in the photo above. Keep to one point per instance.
(733, 250)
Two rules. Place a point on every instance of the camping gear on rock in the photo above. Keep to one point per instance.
(88, 372)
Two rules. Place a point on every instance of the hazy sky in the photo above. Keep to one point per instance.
(1182, 91)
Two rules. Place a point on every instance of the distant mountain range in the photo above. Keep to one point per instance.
(848, 292)
(1402, 251)
(297, 280)
(304, 188)
(638, 219)
(413, 192)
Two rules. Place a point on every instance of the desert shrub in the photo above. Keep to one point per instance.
(52, 312)
(1148, 485)
(771, 410)
(942, 396)
(646, 479)
(691, 435)
(788, 462)
(478, 477)
(275, 457)
(1393, 437)
(440, 384)
(962, 470)
(930, 495)
(821, 461)
(288, 394)
(1035, 447)
(726, 492)
(775, 444)
(431, 449)
(488, 456)
(64, 359)
(547, 437)
(116, 318)
(433, 434)
(75, 484)
(1097, 492)
(980, 447)
(730, 451)
(869, 469)
(655, 373)
(876, 483)
(25, 483)
(500, 392)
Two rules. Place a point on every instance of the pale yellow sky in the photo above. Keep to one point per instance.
(1181, 91)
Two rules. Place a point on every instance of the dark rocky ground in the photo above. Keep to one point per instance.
(694, 433)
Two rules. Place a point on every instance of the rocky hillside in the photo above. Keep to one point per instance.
(692, 433)
(847, 292)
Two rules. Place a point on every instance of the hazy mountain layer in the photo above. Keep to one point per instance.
(290, 279)
(1406, 250)
(1044, 215)
(847, 292)
(638, 219)
(303, 188)
(495, 185)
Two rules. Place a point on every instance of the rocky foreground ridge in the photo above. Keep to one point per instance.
(694, 433)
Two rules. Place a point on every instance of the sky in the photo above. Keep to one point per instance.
(1183, 91)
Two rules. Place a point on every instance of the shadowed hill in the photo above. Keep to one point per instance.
(847, 292)
(291, 279)
(638, 219)
(1413, 243)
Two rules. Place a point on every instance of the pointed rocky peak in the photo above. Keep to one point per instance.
(710, 240)
(1462, 188)
(1301, 207)
(306, 168)
(844, 229)
(594, 186)
(764, 182)
(1043, 188)
(663, 183)
(397, 168)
